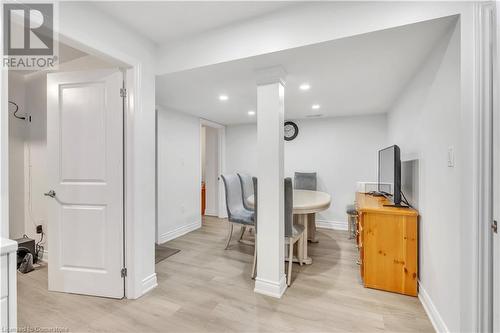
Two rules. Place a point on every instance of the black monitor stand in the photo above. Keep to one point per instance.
(397, 205)
(379, 194)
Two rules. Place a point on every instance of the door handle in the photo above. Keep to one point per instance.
(50, 193)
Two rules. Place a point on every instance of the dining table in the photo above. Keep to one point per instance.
(305, 202)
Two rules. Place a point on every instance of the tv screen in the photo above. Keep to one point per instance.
(389, 173)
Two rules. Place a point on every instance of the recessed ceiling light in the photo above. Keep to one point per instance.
(251, 113)
(223, 97)
(305, 86)
(315, 106)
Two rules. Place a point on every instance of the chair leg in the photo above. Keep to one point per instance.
(254, 267)
(311, 220)
(243, 228)
(230, 235)
(349, 225)
(290, 263)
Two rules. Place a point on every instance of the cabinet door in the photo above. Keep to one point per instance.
(4, 299)
(359, 240)
(4, 276)
(390, 248)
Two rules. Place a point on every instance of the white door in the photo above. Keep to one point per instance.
(85, 150)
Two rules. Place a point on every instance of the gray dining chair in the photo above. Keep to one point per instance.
(236, 212)
(307, 181)
(293, 233)
(352, 217)
(246, 191)
(256, 219)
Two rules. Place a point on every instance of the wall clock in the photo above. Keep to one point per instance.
(291, 130)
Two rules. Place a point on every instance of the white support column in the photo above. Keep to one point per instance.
(270, 278)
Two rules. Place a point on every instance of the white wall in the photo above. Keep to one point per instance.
(211, 170)
(203, 138)
(36, 183)
(17, 136)
(342, 150)
(425, 122)
(179, 174)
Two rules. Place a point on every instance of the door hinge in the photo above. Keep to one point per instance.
(124, 272)
(494, 226)
(123, 92)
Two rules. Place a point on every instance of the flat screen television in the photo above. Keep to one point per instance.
(389, 173)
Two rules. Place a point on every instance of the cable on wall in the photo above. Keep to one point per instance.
(16, 110)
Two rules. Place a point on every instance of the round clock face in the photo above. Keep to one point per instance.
(291, 130)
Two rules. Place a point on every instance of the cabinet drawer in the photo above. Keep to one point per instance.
(4, 276)
(4, 309)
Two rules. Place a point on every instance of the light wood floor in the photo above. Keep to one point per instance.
(204, 288)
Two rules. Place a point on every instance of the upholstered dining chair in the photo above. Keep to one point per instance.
(256, 219)
(236, 212)
(307, 181)
(246, 191)
(293, 233)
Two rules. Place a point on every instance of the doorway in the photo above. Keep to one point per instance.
(209, 171)
(212, 138)
(57, 162)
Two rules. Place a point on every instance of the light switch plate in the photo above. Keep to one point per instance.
(451, 157)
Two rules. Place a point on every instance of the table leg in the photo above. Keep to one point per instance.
(304, 221)
(312, 228)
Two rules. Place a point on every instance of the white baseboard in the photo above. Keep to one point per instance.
(178, 232)
(270, 288)
(335, 225)
(429, 307)
(149, 283)
(210, 212)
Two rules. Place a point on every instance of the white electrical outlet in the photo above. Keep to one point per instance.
(451, 157)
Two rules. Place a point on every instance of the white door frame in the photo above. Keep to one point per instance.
(133, 281)
(221, 137)
(495, 301)
(485, 62)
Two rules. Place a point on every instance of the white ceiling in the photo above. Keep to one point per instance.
(165, 22)
(68, 53)
(351, 76)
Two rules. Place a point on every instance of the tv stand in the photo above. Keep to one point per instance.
(387, 237)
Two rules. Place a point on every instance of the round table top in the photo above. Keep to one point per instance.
(306, 202)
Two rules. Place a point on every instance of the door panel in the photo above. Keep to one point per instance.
(83, 132)
(85, 146)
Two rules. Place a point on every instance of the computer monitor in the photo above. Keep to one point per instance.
(389, 173)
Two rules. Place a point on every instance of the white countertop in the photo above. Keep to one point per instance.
(7, 245)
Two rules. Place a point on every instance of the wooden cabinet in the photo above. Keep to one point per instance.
(387, 240)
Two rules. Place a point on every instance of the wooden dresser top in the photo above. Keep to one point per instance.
(366, 203)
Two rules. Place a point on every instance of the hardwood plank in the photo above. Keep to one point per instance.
(205, 288)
